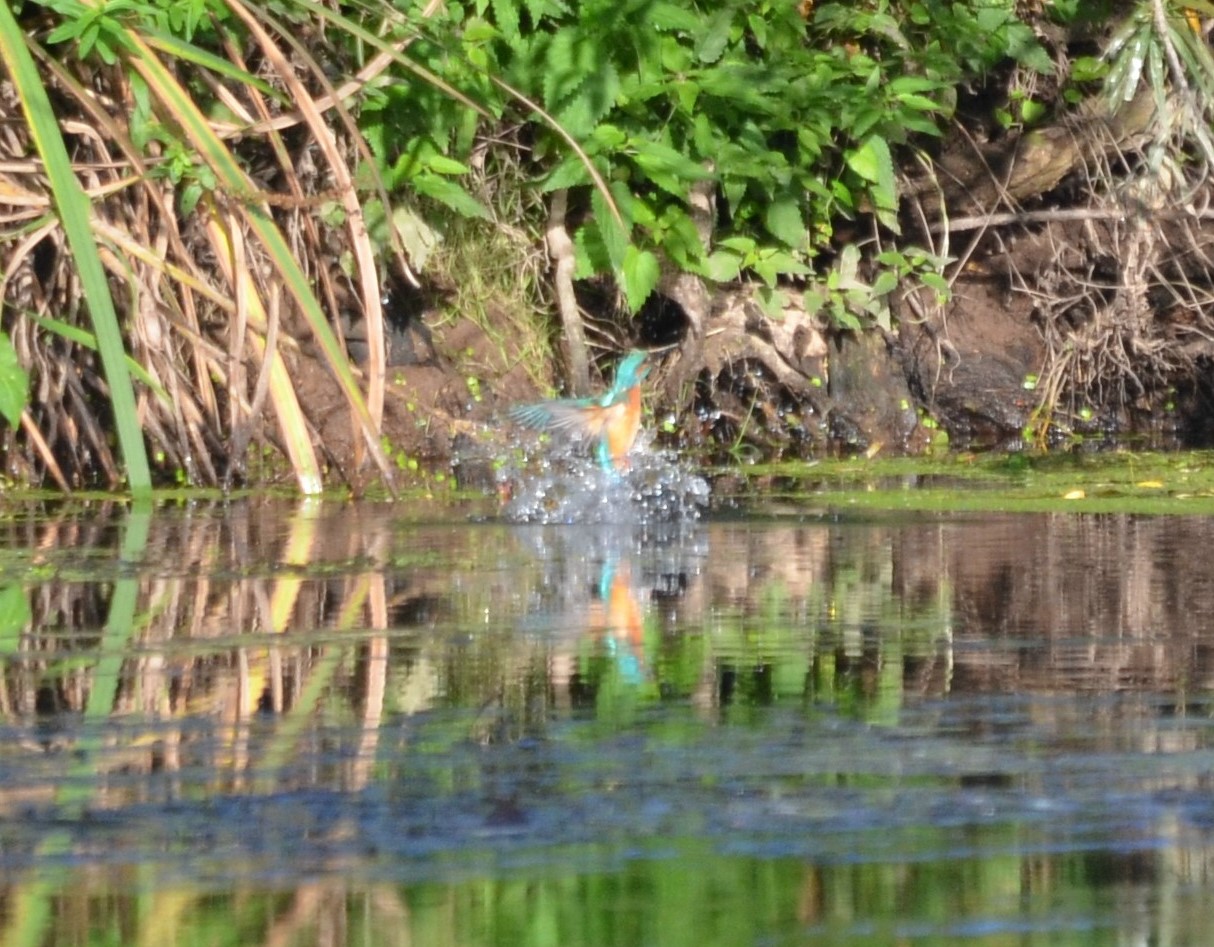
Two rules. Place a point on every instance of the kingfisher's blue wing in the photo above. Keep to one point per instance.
(578, 417)
(587, 417)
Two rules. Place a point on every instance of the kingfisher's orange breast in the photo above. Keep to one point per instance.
(622, 427)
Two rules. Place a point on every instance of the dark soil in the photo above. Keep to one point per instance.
(968, 372)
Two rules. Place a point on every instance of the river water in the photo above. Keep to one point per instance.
(281, 722)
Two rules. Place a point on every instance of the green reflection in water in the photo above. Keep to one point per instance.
(697, 897)
(325, 726)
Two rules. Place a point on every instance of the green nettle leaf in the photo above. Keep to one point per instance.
(573, 58)
(913, 100)
(733, 190)
(639, 276)
(814, 298)
(770, 265)
(713, 40)
(569, 173)
(634, 211)
(14, 382)
(679, 237)
(844, 319)
(872, 161)
(608, 137)
(739, 244)
(937, 282)
(450, 194)
(902, 85)
(539, 9)
(672, 16)
(704, 134)
(441, 164)
(577, 115)
(590, 252)
(1032, 111)
(723, 266)
(783, 219)
(758, 29)
(669, 169)
(885, 283)
(614, 237)
(505, 12)
(688, 93)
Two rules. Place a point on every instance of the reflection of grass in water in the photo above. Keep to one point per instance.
(843, 642)
(832, 637)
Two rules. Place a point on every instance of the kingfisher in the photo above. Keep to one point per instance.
(614, 418)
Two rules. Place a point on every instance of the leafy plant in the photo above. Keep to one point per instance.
(851, 302)
(725, 141)
(790, 119)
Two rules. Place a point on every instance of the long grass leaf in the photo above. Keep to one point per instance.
(75, 212)
(188, 52)
(86, 339)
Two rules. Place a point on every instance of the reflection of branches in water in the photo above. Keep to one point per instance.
(814, 608)
(843, 625)
(1097, 604)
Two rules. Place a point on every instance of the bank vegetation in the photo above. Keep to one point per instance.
(231, 232)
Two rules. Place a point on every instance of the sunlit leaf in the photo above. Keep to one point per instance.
(615, 238)
(640, 272)
(722, 266)
(450, 194)
(14, 382)
(783, 219)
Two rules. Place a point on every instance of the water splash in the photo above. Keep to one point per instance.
(569, 487)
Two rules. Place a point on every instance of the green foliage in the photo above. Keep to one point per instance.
(93, 27)
(850, 302)
(1161, 52)
(14, 382)
(793, 121)
(101, 27)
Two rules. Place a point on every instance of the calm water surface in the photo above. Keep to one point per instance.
(284, 723)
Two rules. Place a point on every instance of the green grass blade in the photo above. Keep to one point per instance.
(187, 52)
(89, 341)
(74, 212)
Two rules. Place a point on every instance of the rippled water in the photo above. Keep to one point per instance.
(262, 721)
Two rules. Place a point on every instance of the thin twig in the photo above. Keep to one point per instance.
(1066, 215)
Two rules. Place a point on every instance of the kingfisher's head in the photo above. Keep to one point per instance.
(630, 371)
